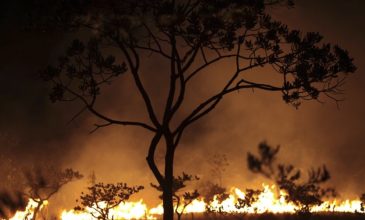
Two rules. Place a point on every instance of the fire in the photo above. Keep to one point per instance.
(269, 200)
(127, 210)
(29, 211)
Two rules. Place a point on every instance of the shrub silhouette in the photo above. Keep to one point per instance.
(101, 198)
(303, 193)
(251, 196)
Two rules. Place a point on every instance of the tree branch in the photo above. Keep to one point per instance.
(105, 118)
(151, 157)
(138, 82)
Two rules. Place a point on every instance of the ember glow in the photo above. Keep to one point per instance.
(271, 200)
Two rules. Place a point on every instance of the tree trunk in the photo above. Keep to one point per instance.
(179, 215)
(166, 180)
(167, 195)
(36, 210)
(168, 207)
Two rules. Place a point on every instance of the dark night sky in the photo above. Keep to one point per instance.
(33, 129)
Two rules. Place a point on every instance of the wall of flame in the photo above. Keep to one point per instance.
(271, 200)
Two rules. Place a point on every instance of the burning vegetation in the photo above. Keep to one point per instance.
(117, 41)
(291, 195)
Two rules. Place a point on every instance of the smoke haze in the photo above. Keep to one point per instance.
(33, 130)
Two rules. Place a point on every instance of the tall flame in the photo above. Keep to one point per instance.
(270, 200)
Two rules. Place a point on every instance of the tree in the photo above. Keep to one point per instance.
(182, 200)
(213, 188)
(251, 196)
(213, 191)
(304, 194)
(42, 183)
(192, 37)
(101, 198)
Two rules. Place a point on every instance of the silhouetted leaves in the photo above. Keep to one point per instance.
(191, 36)
(213, 191)
(81, 72)
(251, 196)
(101, 198)
(308, 67)
(263, 163)
(303, 193)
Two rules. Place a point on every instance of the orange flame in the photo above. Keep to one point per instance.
(269, 200)
(127, 210)
(29, 211)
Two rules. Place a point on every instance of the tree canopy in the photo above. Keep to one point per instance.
(192, 36)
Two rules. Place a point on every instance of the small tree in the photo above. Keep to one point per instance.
(212, 191)
(251, 196)
(101, 198)
(181, 199)
(42, 183)
(192, 38)
(304, 194)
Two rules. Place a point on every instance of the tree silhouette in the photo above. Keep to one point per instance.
(251, 196)
(101, 198)
(181, 199)
(42, 183)
(304, 194)
(214, 191)
(192, 37)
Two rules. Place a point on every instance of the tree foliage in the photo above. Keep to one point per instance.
(251, 196)
(192, 37)
(101, 198)
(214, 191)
(303, 193)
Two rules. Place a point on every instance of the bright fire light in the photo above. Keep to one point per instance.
(127, 210)
(28, 212)
(269, 200)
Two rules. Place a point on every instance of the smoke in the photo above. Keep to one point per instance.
(313, 135)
